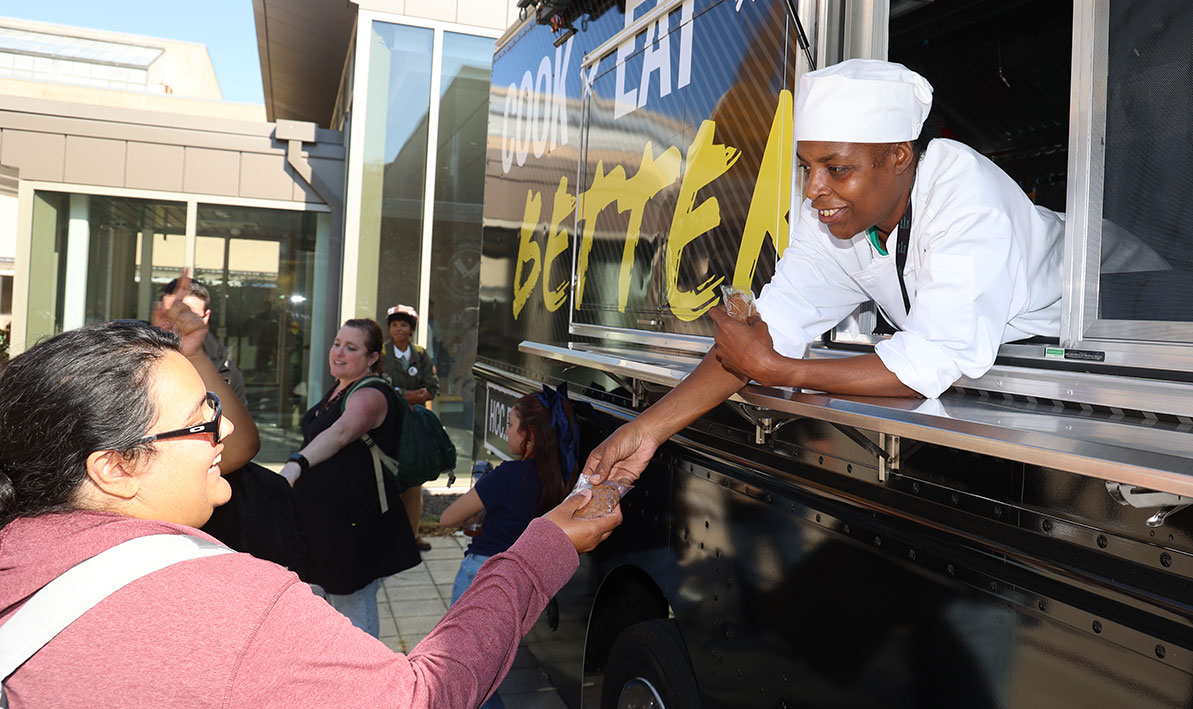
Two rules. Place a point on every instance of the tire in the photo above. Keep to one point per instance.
(648, 668)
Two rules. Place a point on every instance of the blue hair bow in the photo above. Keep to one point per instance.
(566, 434)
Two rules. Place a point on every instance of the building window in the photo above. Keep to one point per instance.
(259, 267)
(456, 229)
(95, 258)
(395, 167)
(44, 56)
(406, 132)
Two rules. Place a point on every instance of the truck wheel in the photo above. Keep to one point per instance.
(648, 668)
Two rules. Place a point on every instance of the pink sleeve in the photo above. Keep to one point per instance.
(306, 653)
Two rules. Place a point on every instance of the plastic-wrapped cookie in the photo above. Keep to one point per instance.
(605, 496)
(739, 304)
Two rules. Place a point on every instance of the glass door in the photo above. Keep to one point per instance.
(259, 268)
(96, 258)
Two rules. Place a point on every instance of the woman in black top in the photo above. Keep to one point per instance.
(354, 535)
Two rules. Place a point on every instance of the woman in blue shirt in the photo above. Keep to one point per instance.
(542, 432)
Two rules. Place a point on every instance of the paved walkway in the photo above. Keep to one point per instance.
(412, 602)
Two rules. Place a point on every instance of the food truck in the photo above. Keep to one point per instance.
(1018, 541)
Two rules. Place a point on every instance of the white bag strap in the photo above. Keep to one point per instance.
(60, 602)
(379, 456)
(379, 459)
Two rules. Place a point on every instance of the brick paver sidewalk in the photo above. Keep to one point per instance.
(412, 602)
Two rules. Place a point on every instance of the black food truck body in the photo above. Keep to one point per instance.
(1016, 542)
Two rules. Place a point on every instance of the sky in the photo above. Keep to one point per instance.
(225, 26)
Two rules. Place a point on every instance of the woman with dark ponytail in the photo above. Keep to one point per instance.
(542, 434)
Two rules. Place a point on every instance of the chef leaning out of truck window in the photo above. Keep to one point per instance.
(981, 263)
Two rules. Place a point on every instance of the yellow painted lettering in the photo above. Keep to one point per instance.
(601, 194)
(528, 252)
(706, 162)
(771, 199)
(557, 243)
(651, 178)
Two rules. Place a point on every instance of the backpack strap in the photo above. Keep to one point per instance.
(362, 382)
(380, 459)
(80, 588)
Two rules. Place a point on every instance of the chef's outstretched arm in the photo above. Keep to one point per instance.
(746, 349)
(743, 352)
(625, 453)
(861, 375)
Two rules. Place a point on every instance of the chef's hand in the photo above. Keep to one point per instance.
(174, 315)
(746, 349)
(623, 455)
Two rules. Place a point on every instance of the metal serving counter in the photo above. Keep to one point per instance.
(1144, 452)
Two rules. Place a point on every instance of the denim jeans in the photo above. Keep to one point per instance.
(468, 568)
(360, 607)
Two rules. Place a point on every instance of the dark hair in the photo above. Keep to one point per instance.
(933, 125)
(83, 391)
(197, 289)
(373, 339)
(404, 317)
(544, 449)
(931, 129)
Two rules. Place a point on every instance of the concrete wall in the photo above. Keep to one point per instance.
(132, 99)
(83, 148)
(185, 69)
(54, 141)
(491, 14)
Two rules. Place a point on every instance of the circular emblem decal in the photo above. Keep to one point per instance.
(413, 371)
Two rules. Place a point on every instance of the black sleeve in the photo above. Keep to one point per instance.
(218, 354)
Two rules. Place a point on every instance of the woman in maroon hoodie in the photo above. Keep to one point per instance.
(108, 434)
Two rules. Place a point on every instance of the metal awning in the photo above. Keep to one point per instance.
(303, 45)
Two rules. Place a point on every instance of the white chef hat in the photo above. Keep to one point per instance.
(862, 101)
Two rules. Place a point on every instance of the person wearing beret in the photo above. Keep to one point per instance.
(413, 375)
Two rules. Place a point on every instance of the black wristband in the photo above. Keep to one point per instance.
(302, 461)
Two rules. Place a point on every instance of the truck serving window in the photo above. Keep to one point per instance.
(1144, 286)
(1000, 74)
(1087, 107)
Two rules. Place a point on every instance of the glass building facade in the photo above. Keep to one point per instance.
(416, 159)
(392, 215)
(97, 257)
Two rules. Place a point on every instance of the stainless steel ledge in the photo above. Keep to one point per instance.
(1157, 456)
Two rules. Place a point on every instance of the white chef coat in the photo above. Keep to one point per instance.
(983, 268)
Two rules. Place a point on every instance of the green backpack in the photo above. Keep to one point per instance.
(425, 450)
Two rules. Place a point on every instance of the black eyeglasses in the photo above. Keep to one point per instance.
(212, 426)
